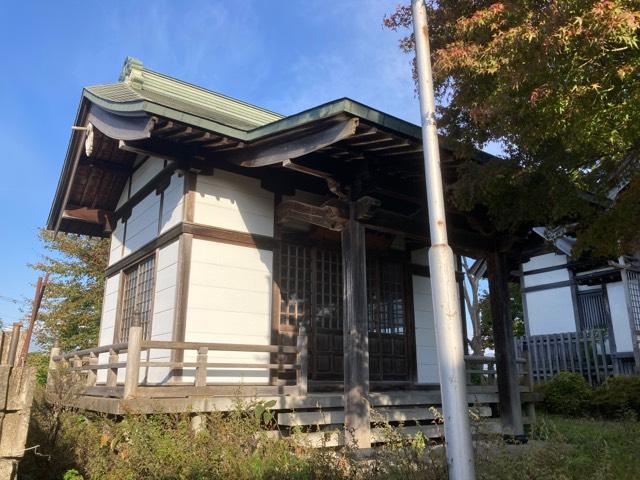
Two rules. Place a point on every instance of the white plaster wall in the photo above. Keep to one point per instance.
(146, 220)
(108, 319)
(619, 317)
(230, 302)
(164, 304)
(551, 310)
(129, 236)
(234, 202)
(544, 261)
(117, 239)
(426, 350)
(145, 172)
(172, 204)
(142, 226)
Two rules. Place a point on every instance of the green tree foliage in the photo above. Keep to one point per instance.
(517, 315)
(72, 302)
(557, 84)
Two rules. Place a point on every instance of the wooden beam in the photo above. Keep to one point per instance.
(357, 421)
(90, 215)
(506, 361)
(325, 216)
(277, 150)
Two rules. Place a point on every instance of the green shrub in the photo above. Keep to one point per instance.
(617, 397)
(567, 394)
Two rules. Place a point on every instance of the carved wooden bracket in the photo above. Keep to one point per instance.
(325, 216)
(332, 215)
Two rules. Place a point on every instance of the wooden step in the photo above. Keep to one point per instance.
(336, 417)
(336, 437)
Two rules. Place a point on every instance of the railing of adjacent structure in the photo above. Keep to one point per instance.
(588, 353)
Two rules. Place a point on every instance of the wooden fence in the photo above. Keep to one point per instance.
(588, 353)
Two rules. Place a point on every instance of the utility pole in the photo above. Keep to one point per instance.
(446, 306)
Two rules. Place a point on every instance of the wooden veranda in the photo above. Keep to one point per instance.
(72, 381)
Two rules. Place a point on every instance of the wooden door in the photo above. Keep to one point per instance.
(310, 284)
(388, 333)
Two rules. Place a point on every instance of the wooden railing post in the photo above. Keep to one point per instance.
(53, 366)
(13, 346)
(132, 371)
(92, 374)
(77, 369)
(112, 373)
(302, 372)
(201, 368)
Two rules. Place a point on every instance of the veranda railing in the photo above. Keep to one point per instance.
(84, 365)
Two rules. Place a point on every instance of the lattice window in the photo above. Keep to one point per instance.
(593, 310)
(137, 296)
(392, 314)
(633, 284)
(295, 284)
(328, 289)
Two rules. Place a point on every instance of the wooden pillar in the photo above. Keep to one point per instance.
(54, 364)
(132, 372)
(201, 369)
(357, 422)
(302, 373)
(508, 388)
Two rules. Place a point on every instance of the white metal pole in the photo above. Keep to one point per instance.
(459, 449)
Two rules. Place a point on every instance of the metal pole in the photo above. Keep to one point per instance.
(35, 307)
(459, 449)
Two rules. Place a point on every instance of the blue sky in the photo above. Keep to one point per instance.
(283, 55)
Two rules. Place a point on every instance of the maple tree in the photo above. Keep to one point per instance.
(557, 85)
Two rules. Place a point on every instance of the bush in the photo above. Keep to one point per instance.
(617, 397)
(567, 394)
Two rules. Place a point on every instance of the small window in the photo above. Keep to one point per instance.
(137, 295)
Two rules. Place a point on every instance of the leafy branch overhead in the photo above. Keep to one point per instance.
(557, 84)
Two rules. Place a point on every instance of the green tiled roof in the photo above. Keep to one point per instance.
(142, 89)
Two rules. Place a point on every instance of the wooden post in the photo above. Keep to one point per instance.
(132, 372)
(92, 375)
(77, 372)
(302, 373)
(112, 373)
(506, 365)
(357, 422)
(53, 366)
(201, 369)
(528, 371)
(13, 346)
